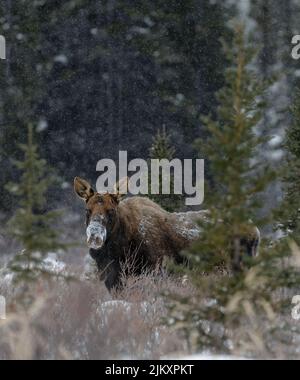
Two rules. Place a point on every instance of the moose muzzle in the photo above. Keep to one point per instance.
(96, 234)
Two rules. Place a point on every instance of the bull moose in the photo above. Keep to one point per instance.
(119, 229)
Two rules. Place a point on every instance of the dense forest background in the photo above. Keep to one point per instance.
(212, 79)
(95, 77)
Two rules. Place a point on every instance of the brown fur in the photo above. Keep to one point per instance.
(139, 231)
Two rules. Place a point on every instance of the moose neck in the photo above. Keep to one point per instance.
(118, 232)
(118, 240)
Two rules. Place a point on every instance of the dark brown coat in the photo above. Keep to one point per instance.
(143, 234)
(140, 233)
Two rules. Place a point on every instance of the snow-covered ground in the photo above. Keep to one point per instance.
(50, 264)
(81, 320)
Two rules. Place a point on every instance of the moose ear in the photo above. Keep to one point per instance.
(83, 189)
(120, 189)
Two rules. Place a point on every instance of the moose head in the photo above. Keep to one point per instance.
(101, 210)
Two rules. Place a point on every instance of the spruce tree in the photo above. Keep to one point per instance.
(231, 151)
(289, 212)
(234, 308)
(162, 149)
(32, 224)
(22, 80)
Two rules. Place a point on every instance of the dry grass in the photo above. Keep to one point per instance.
(81, 320)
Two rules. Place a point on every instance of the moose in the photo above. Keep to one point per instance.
(137, 228)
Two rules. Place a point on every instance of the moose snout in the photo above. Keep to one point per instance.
(96, 235)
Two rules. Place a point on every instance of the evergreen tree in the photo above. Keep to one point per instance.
(184, 40)
(162, 149)
(126, 67)
(228, 303)
(289, 212)
(275, 24)
(231, 149)
(22, 80)
(32, 224)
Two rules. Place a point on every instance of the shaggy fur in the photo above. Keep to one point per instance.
(141, 233)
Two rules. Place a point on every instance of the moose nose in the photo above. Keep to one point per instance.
(96, 235)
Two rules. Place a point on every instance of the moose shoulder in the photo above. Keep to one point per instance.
(136, 231)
